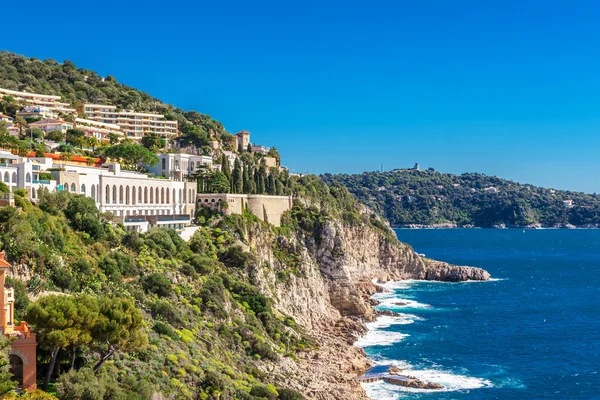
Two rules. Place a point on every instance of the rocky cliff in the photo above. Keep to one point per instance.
(328, 296)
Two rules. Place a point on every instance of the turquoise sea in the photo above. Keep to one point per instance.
(533, 332)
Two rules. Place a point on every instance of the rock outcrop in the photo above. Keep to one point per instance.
(328, 296)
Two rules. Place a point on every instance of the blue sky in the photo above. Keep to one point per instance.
(507, 88)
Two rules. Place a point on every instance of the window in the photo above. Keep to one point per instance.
(176, 164)
(83, 189)
(107, 194)
(121, 194)
(14, 177)
(28, 177)
(6, 178)
(164, 163)
(114, 194)
(94, 192)
(73, 188)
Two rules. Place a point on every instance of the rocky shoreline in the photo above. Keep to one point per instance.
(330, 298)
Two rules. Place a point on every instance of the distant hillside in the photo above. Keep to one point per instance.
(407, 197)
(77, 86)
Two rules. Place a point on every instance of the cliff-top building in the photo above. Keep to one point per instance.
(22, 353)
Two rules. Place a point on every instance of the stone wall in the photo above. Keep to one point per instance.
(267, 208)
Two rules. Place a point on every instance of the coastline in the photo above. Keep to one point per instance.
(527, 227)
(387, 296)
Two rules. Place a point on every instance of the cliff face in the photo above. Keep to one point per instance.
(328, 296)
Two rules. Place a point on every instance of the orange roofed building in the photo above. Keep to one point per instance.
(22, 352)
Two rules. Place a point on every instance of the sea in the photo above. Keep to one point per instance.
(532, 332)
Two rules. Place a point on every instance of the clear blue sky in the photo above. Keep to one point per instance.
(507, 88)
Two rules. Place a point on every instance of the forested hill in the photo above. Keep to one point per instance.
(407, 197)
(77, 86)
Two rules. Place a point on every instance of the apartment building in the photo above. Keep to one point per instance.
(37, 112)
(100, 113)
(99, 130)
(136, 124)
(260, 149)
(178, 166)
(43, 100)
(5, 118)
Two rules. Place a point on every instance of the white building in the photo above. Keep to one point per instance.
(99, 130)
(37, 112)
(24, 173)
(136, 201)
(5, 118)
(48, 125)
(178, 166)
(45, 100)
(100, 113)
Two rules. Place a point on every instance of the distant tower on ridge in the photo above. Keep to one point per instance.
(416, 168)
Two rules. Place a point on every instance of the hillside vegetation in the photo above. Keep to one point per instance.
(77, 86)
(408, 197)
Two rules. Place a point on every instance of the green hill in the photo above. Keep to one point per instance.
(78, 86)
(407, 197)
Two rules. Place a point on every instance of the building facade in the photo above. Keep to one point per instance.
(22, 353)
(132, 197)
(178, 166)
(48, 125)
(51, 102)
(98, 130)
(242, 140)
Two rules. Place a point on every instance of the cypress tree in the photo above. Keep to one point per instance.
(225, 168)
(237, 180)
(271, 184)
(247, 182)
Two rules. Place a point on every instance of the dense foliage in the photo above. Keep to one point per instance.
(141, 313)
(429, 197)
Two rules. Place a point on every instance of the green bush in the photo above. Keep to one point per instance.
(158, 284)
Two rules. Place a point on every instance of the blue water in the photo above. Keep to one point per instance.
(532, 334)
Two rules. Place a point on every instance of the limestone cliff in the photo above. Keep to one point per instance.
(328, 296)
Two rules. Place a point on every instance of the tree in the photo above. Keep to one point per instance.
(218, 183)
(274, 153)
(131, 155)
(246, 182)
(225, 167)
(249, 148)
(56, 136)
(113, 138)
(237, 180)
(76, 137)
(6, 382)
(6, 140)
(153, 142)
(54, 319)
(119, 328)
(20, 123)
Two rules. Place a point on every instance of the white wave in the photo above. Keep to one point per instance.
(392, 302)
(380, 338)
(385, 321)
(396, 285)
(381, 391)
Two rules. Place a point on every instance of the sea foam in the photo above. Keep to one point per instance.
(380, 338)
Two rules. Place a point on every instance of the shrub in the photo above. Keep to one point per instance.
(236, 257)
(164, 329)
(289, 394)
(21, 192)
(158, 284)
(265, 391)
(166, 311)
(21, 298)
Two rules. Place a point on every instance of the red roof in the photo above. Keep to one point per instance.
(97, 161)
(3, 262)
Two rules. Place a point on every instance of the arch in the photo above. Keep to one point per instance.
(180, 196)
(189, 195)
(6, 177)
(151, 196)
(28, 177)
(192, 166)
(114, 194)
(173, 195)
(16, 368)
(126, 194)
(107, 194)
(140, 194)
(14, 177)
(73, 188)
(146, 195)
(133, 197)
(94, 192)
(83, 188)
(157, 196)
(162, 196)
(33, 193)
(121, 194)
